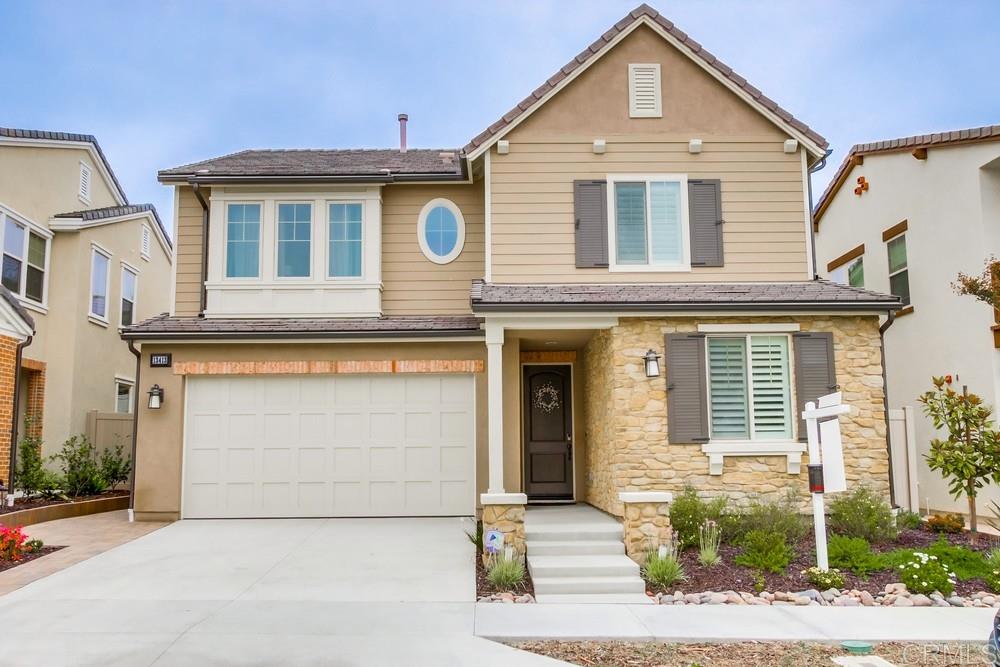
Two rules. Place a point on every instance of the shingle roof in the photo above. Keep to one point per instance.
(9, 297)
(166, 326)
(91, 214)
(967, 136)
(47, 135)
(382, 163)
(694, 49)
(812, 295)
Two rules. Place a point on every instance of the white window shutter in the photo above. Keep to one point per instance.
(84, 182)
(644, 93)
(144, 250)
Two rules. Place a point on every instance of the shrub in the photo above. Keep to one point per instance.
(906, 520)
(993, 570)
(115, 467)
(946, 523)
(709, 536)
(688, 512)
(824, 579)
(862, 513)
(765, 551)
(924, 573)
(12, 543)
(662, 566)
(853, 554)
(476, 537)
(781, 516)
(33, 546)
(31, 475)
(963, 562)
(78, 459)
(505, 574)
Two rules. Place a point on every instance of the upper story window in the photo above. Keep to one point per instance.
(346, 244)
(644, 91)
(129, 279)
(441, 231)
(899, 274)
(294, 240)
(85, 183)
(749, 387)
(100, 262)
(856, 273)
(649, 223)
(243, 241)
(25, 255)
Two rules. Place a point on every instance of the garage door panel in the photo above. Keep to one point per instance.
(349, 445)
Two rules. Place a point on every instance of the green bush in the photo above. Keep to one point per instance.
(993, 570)
(906, 520)
(505, 574)
(31, 476)
(862, 513)
(963, 562)
(781, 516)
(115, 467)
(853, 554)
(765, 551)
(662, 566)
(946, 523)
(82, 474)
(824, 579)
(688, 512)
(924, 573)
(476, 537)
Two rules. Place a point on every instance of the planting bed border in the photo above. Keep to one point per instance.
(33, 515)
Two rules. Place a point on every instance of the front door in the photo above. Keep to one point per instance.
(548, 432)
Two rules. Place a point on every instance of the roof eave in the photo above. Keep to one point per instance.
(826, 306)
(297, 335)
(180, 179)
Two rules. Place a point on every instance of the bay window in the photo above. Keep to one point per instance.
(345, 241)
(749, 387)
(243, 241)
(294, 240)
(650, 224)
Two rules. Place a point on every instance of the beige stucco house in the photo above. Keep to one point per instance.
(434, 332)
(82, 262)
(906, 216)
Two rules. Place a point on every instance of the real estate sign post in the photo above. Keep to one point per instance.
(826, 461)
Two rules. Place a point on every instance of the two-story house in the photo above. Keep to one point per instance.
(81, 262)
(606, 295)
(906, 216)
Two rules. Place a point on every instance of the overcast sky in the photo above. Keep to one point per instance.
(169, 82)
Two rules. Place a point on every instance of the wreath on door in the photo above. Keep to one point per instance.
(546, 398)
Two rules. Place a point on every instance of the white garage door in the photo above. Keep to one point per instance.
(313, 446)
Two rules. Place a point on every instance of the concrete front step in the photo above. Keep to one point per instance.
(577, 547)
(587, 585)
(595, 598)
(582, 566)
(572, 532)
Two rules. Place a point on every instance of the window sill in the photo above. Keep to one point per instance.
(649, 268)
(32, 305)
(718, 450)
(99, 321)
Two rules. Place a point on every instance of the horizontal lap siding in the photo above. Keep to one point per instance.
(533, 221)
(189, 240)
(412, 284)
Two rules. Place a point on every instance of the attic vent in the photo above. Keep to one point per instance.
(84, 183)
(644, 91)
(144, 248)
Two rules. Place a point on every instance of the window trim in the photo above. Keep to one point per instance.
(130, 383)
(46, 235)
(327, 203)
(225, 242)
(905, 269)
(685, 264)
(84, 194)
(102, 320)
(422, 227)
(312, 238)
(127, 268)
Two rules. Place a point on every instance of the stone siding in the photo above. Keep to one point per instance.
(509, 520)
(646, 526)
(626, 418)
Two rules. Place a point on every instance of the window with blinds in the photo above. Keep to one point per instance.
(749, 387)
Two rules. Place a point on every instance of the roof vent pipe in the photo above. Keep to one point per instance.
(402, 132)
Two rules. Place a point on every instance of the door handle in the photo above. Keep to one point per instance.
(569, 448)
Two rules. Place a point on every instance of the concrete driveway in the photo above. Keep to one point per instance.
(262, 592)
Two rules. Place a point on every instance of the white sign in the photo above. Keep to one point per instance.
(492, 541)
(825, 447)
(832, 451)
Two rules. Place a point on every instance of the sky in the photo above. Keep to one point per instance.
(169, 82)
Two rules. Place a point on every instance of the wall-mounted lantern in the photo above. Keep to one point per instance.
(652, 360)
(155, 397)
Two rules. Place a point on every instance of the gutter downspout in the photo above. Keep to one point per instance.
(885, 403)
(812, 222)
(204, 247)
(13, 420)
(135, 427)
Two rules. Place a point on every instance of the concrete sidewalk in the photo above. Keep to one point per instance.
(723, 623)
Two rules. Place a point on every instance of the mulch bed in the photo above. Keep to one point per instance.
(44, 551)
(38, 501)
(728, 576)
(484, 588)
(759, 654)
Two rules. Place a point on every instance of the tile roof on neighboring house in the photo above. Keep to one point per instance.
(167, 326)
(324, 164)
(46, 135)
(693, 48)
(812, 295)
(8, 296)
(955, 137)
(92, 214)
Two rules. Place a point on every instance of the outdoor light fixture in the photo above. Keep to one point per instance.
(652, 360)
(155, 397)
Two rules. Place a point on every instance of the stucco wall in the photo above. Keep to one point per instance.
(627, 417)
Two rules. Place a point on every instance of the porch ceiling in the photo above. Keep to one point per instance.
(553, 339)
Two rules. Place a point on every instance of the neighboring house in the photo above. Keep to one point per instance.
(928, 208)
(83, 262)
(330, 360)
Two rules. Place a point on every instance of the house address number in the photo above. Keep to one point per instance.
(160, 360)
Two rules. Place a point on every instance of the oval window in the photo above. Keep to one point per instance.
(441, 231)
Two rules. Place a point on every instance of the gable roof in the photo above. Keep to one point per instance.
(381, 164)
(644, 14)
(972, 135)
(70, 137)
(14, 315)
(106, 212)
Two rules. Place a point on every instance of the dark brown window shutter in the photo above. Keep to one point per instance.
(814, 371)
(590, 204)
(705, 221)
(687, 407)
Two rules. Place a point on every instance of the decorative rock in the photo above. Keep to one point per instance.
(866, 599)
(889, 599)
(846, 601)
(665, 598)
(758, 602)
(956, 601)
(902, 602)
(717, 598)
(803, 601)
(989, 600)
(692, 598)
(920, 601)
(831, 594)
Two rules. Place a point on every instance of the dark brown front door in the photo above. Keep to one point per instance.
(548, 432)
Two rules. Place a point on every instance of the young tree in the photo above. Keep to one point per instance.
(985, 287)
(969, 457)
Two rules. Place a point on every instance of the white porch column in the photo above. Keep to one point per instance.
(494, 398)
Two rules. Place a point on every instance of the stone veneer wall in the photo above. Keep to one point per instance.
(626, 419)
(509, 520)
